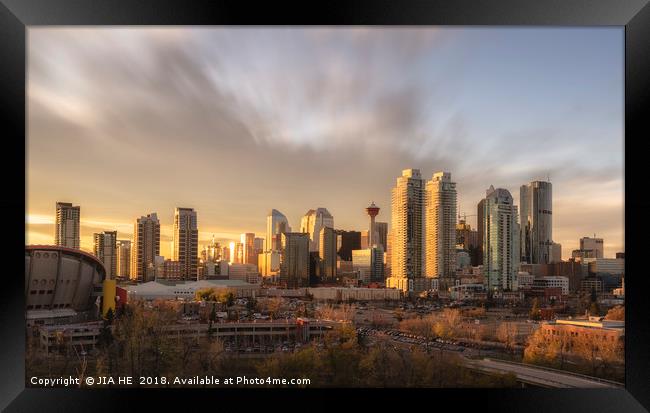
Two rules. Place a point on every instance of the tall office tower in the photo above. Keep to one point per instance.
(225, 253)
(369, 263)
(381, 229)
(104, 248)
(312, 223)
(123, 249)
(327, 254)
(294, 260)
(146, 246)
(258, 248)
(407, 229)
(186, 241)
(276, 224)
(66, 230)
(350, 240)
(365, 239)
(556, 252)
(500, 240)
(248, 246)
(372, 210)
(440, 226)
(479, 220)
(536, 214)
(237, 253)
(212, 251)
(258, 245)
(594, 244)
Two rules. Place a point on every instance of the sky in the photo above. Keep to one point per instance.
(233, 122)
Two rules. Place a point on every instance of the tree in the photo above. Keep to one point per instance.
(594, 309)
(535, 312)
(507, 334)
(616, 313)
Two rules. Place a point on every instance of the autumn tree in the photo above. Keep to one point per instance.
(535, 312)
(616, 313)
(507, 334)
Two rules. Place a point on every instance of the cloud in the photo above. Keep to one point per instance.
(236, 121)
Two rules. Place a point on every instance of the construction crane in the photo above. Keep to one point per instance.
(464, 216)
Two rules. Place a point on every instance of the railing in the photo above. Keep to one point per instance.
(564, 372)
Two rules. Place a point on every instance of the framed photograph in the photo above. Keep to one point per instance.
(376, 199)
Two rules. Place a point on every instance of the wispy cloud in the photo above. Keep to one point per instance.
(235, 121)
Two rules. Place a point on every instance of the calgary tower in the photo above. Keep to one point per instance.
(372, 211)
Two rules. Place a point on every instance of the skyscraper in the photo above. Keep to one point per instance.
(440, 226)
(593, 244)
(186, 241)
(369, 263)
(500, 240)
(146, 246)
(276, 224)
(212, 252)
(556, 252)
(407, 229)
(104, 248)
(294, 260)
(66, 230)
(536, 238)
(479, 224)
(225, 253)
(248, 245)
(381, 228)
(365, 239)
(349, 241)
(123, 249)
(327, 254)
(312, 223)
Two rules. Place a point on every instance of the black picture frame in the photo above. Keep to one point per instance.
(17, 15)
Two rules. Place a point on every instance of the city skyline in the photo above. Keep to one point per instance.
(369, 103)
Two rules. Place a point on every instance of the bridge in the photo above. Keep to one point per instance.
(540, 376)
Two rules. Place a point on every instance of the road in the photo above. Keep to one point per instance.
(539, 376)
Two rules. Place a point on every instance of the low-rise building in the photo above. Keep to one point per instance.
(244, 272)
(553, 282)
(596, 330)
(171, 290)
(358, 294)
(525, 280)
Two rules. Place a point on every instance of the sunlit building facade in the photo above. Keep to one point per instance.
(536, 218)
(294, 260)
(593, 244)
(327, 254)
(66, 229)
(123, 251)
(186, 241)
(276, 224)
(105, 249)
(146, 246)
(407, 230)
(500, 241)
(312, 223)
(248, 248)
(440, 226)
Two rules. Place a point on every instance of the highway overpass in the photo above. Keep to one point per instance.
(540, 376)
